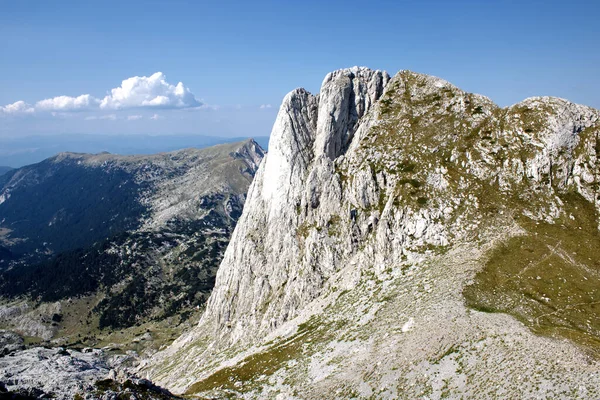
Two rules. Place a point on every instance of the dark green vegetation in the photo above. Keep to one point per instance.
(118, 241)
(549, 278)
(131, 272)
(60, 206)
(20, 395)
(5, 255)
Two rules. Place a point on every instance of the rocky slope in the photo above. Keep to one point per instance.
(404, 238)
(96, 243)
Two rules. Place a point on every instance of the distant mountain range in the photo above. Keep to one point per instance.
(4, 170)
(20, 151)
(95, 241)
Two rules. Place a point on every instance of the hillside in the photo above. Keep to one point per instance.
(404, 238)
(25, 150)
(4, 170)
(93, 244)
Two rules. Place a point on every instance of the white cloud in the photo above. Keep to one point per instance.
(152, 92)
(67, 103)
(19, 107)
(265, 106)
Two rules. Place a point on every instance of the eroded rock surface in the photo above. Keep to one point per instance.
(378, 204)
(68, 374)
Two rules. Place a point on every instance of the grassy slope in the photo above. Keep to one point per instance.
(548, 278)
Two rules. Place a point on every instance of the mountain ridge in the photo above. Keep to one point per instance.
(133, 177)
(377, 204)
(25, 150)
(160, 267)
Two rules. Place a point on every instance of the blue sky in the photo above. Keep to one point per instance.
(232, 57)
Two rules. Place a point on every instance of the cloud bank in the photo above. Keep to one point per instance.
(138, 92)
(151, 92)
(67, 103)
(19, 107)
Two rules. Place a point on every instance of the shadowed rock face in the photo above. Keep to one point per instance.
(379, 202)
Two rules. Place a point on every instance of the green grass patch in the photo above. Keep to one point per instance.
(303, 230)
(265, 363)
(548, 278)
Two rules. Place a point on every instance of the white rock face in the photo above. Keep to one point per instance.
(364, 189)
(296, 177)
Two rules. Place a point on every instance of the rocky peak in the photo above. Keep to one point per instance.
(371, 183)
(346, 96)
(553, 122)
(290, 144)
(308, 127)
(416, 136)
(251, 152)
(308, 134)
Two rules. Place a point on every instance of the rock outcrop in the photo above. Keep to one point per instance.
(379, 202)
(266, 286)
(59, 373)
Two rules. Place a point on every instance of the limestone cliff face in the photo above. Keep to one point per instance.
(279, 258)
(378, 201)
(267, 275)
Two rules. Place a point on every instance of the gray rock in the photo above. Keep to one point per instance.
(58, 371)
(65, 374)
(10, 342)
(367, 215)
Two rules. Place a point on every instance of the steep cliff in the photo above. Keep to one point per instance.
(377, 248)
